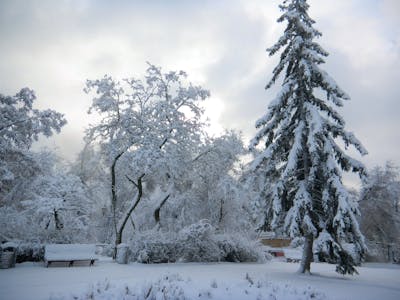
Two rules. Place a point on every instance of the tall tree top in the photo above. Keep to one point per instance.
(299, 61)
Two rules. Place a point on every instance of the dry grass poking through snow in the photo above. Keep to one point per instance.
(174, 287)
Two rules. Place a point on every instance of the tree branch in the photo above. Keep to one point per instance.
(131, 181)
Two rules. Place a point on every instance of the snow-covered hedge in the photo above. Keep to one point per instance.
(153, 247)
(174, 287)
(196, 243)
(26, 251)
(30, 252)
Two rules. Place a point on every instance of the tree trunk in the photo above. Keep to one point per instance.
(221, 213)
(114, 191)
(305, 264)
(59, 225)
(157, 210)
(118, 238)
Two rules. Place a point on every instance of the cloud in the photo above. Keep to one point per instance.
(54, 46)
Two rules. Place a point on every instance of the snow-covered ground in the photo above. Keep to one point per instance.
(212, 281)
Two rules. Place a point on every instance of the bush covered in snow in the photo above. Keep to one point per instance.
(26, 251)
(236, 248)
(153, 247)
(30, 252)
(174, 287)
(195, 243)
(198, 243)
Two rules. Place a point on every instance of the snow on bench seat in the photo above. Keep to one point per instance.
(70, 254)
(293, 254)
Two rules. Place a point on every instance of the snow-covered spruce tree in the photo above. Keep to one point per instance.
(300, 133)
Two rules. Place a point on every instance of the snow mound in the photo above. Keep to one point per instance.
(174, 287)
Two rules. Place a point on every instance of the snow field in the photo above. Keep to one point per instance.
(272, 280)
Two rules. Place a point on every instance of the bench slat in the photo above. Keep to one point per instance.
(71, 261)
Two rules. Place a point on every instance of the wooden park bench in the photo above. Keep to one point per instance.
(277, 252)
(69, 254)
(290, 255)
(280, 247)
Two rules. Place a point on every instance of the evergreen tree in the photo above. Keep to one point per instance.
(300, 133)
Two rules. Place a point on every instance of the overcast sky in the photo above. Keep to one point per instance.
(54, 46)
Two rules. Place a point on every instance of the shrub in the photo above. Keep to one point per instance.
(26, 251)
(153, 247)
(30, 252)
(196, 243)
(240, 249)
